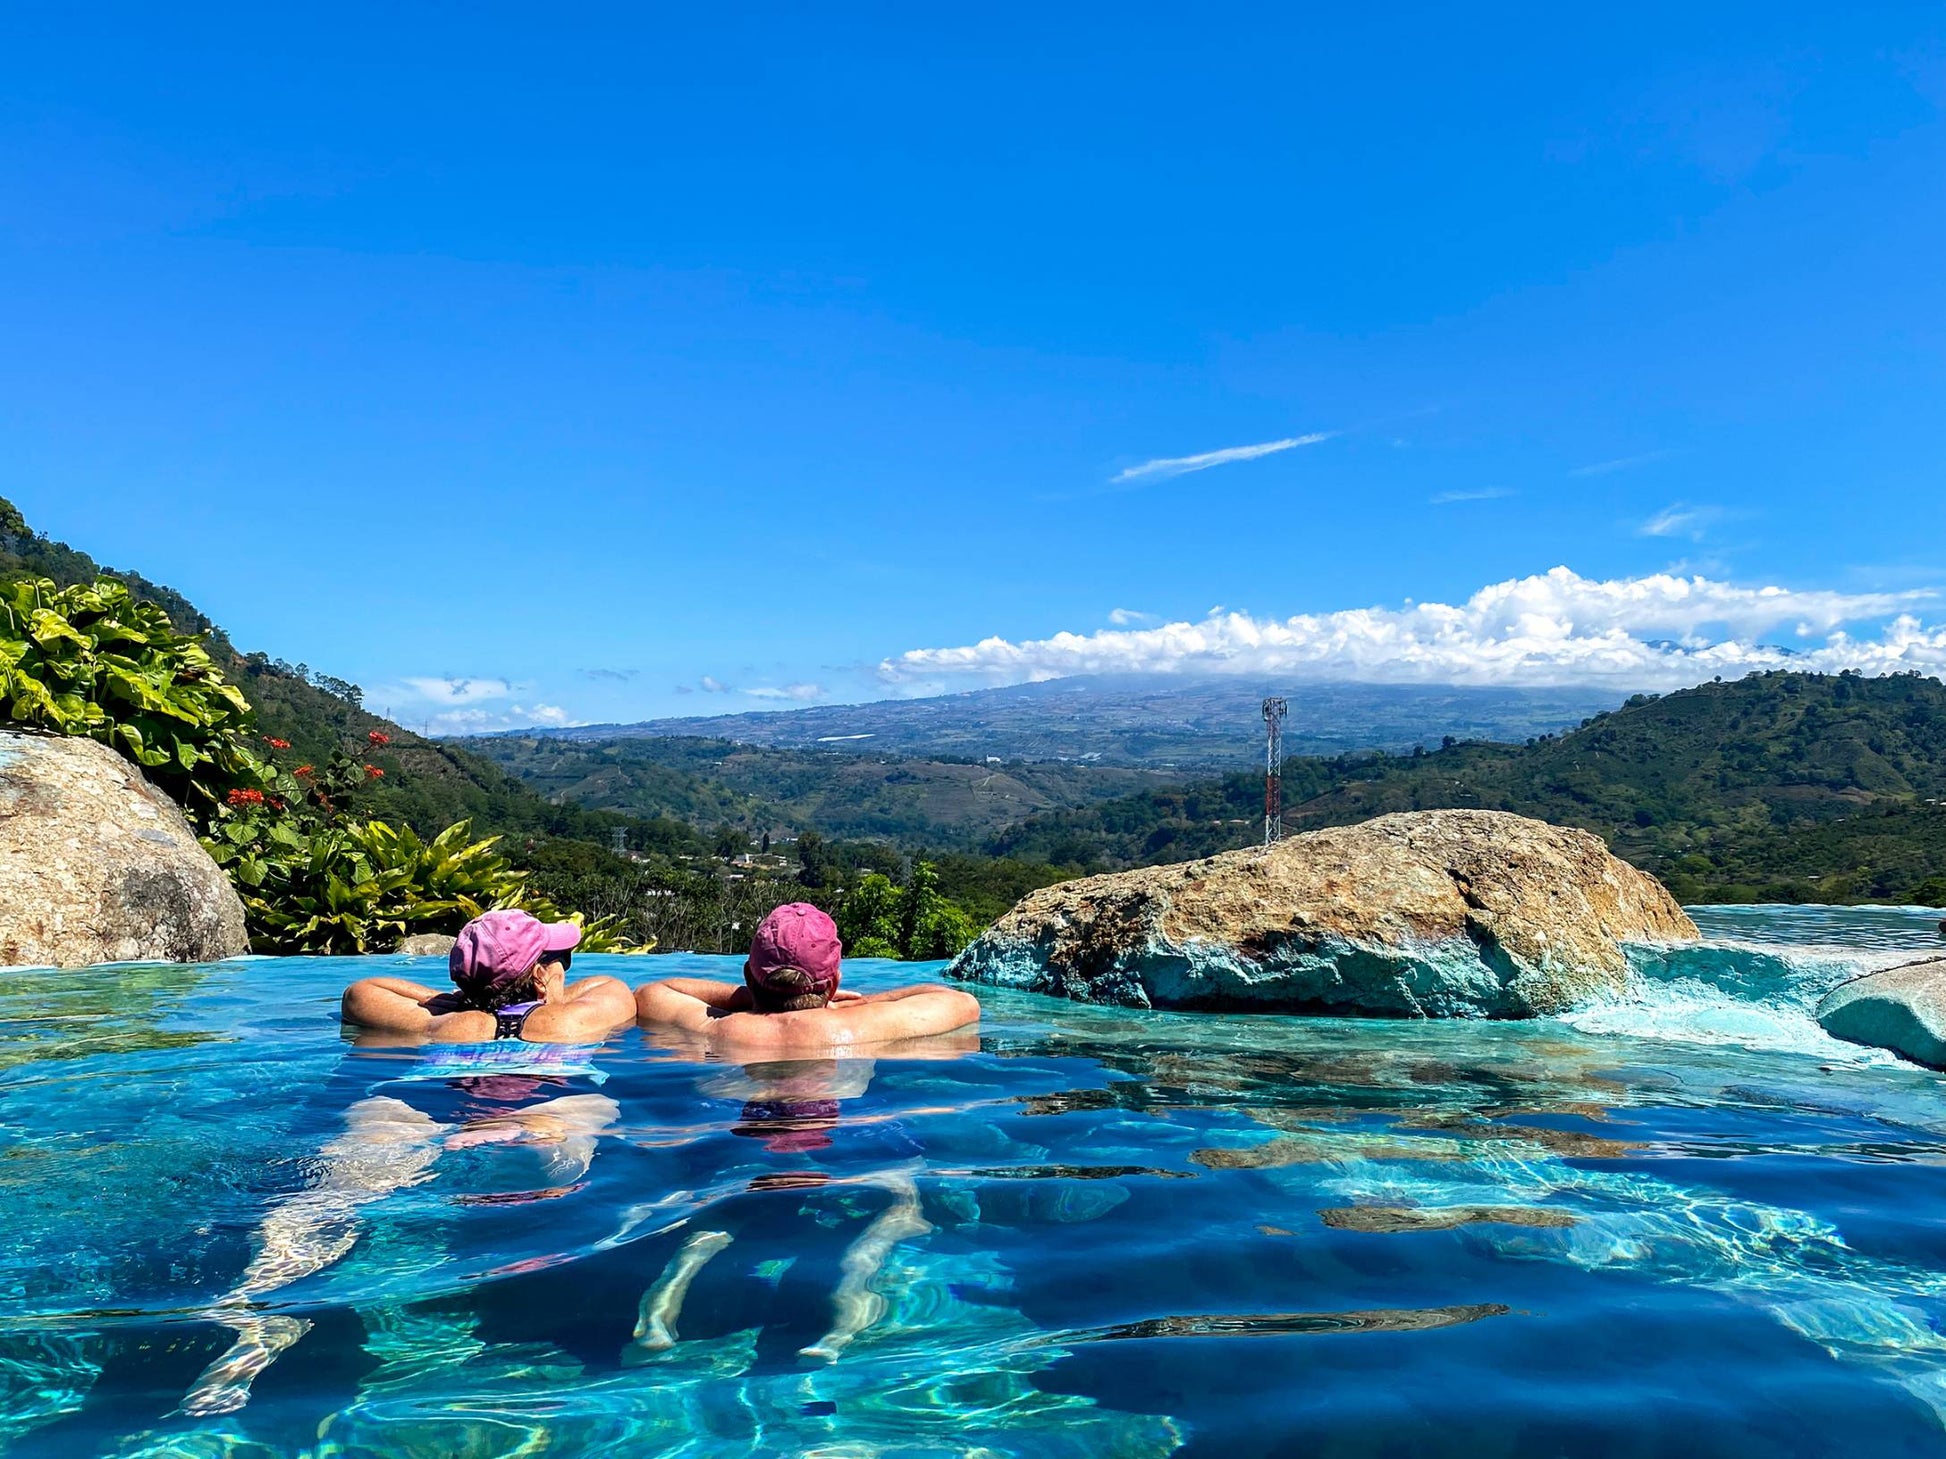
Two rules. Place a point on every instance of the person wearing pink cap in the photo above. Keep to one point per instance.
(790, 999)
(509, 972)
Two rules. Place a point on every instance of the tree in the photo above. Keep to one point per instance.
(730, 842)
(868, 918)
(912, 922)
(813, 862)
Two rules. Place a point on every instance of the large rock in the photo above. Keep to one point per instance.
(1423, 914)
(1902, 1009)
(96, 865)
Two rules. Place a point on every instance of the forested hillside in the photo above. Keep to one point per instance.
(917, 804)
(1779, 786)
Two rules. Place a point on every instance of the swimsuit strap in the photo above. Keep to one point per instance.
(508, 1022)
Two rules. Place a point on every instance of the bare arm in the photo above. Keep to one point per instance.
(395, 1005)
(904, 1013)
(689, 1002)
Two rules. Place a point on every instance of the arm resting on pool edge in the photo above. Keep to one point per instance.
(396, 1005)
(689, 1002)
(904, 1013)
(585, 1012)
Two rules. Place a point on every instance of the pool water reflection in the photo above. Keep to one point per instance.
(1687, 1223)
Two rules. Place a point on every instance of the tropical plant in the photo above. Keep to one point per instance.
(364, 886)
(95, 660)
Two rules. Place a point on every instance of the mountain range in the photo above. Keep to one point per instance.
(1152, 722)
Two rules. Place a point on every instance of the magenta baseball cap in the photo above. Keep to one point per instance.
(497, 947)
(796, 936)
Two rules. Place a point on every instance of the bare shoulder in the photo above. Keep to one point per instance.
(594, 1008)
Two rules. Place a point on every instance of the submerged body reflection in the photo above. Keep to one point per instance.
(793, 1109)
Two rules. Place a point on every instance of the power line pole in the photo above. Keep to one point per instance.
(1274, 712)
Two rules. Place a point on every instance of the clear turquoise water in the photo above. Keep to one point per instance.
(1683, 1224)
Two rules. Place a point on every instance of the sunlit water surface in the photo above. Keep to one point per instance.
(1687, 1223)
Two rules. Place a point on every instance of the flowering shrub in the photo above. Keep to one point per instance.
(95, 660)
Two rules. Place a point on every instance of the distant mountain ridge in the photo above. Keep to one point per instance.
(1146, 722)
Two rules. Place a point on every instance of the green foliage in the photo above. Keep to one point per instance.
(868, 918)
(1930, 893)
(94, 660)
(363, 886)
(913, 922)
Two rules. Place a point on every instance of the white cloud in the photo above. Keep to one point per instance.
(1168, 466)
(712, 686)
(799, 692)
(447, 689)
(1553, 628)
(1123, 617)
(486, 721)
(1679, 520)
(1484, 494)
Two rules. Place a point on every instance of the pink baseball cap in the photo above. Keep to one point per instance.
(497, 947)
(796, 939)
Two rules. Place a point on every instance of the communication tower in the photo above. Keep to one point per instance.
(1274, 712)
(619, 839)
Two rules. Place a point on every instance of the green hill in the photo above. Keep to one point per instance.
(1779, 786)
(428, 784)
(916, 804)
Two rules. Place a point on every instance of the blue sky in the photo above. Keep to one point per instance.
(590, 363)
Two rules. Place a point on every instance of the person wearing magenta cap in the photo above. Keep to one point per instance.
(790, 999)
(509, 972)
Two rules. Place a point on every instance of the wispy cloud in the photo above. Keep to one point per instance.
(514, 716)
(448, 689)
(712, 686)
(448, 704)
(1164, 467)
(1679, 520)
(1123, 617)
(802, 693)
(613, 676)
(1484, 494)
(1620, 463)
(1553, 628)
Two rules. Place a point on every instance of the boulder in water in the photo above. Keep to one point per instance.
(97, 865)
(1902, 1009)
(426, 944)
(1421, 914)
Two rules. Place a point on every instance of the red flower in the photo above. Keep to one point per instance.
(275, 743)
(379, 739)
(242, 798)
(374, 772)
(303, 770)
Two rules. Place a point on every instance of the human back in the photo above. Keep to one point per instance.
(790, 999)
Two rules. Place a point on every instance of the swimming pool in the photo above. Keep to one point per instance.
(1686, 1224)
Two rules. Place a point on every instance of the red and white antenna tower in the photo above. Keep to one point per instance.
(1274, 712)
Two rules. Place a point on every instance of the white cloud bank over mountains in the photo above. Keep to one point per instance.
(1555, 628)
